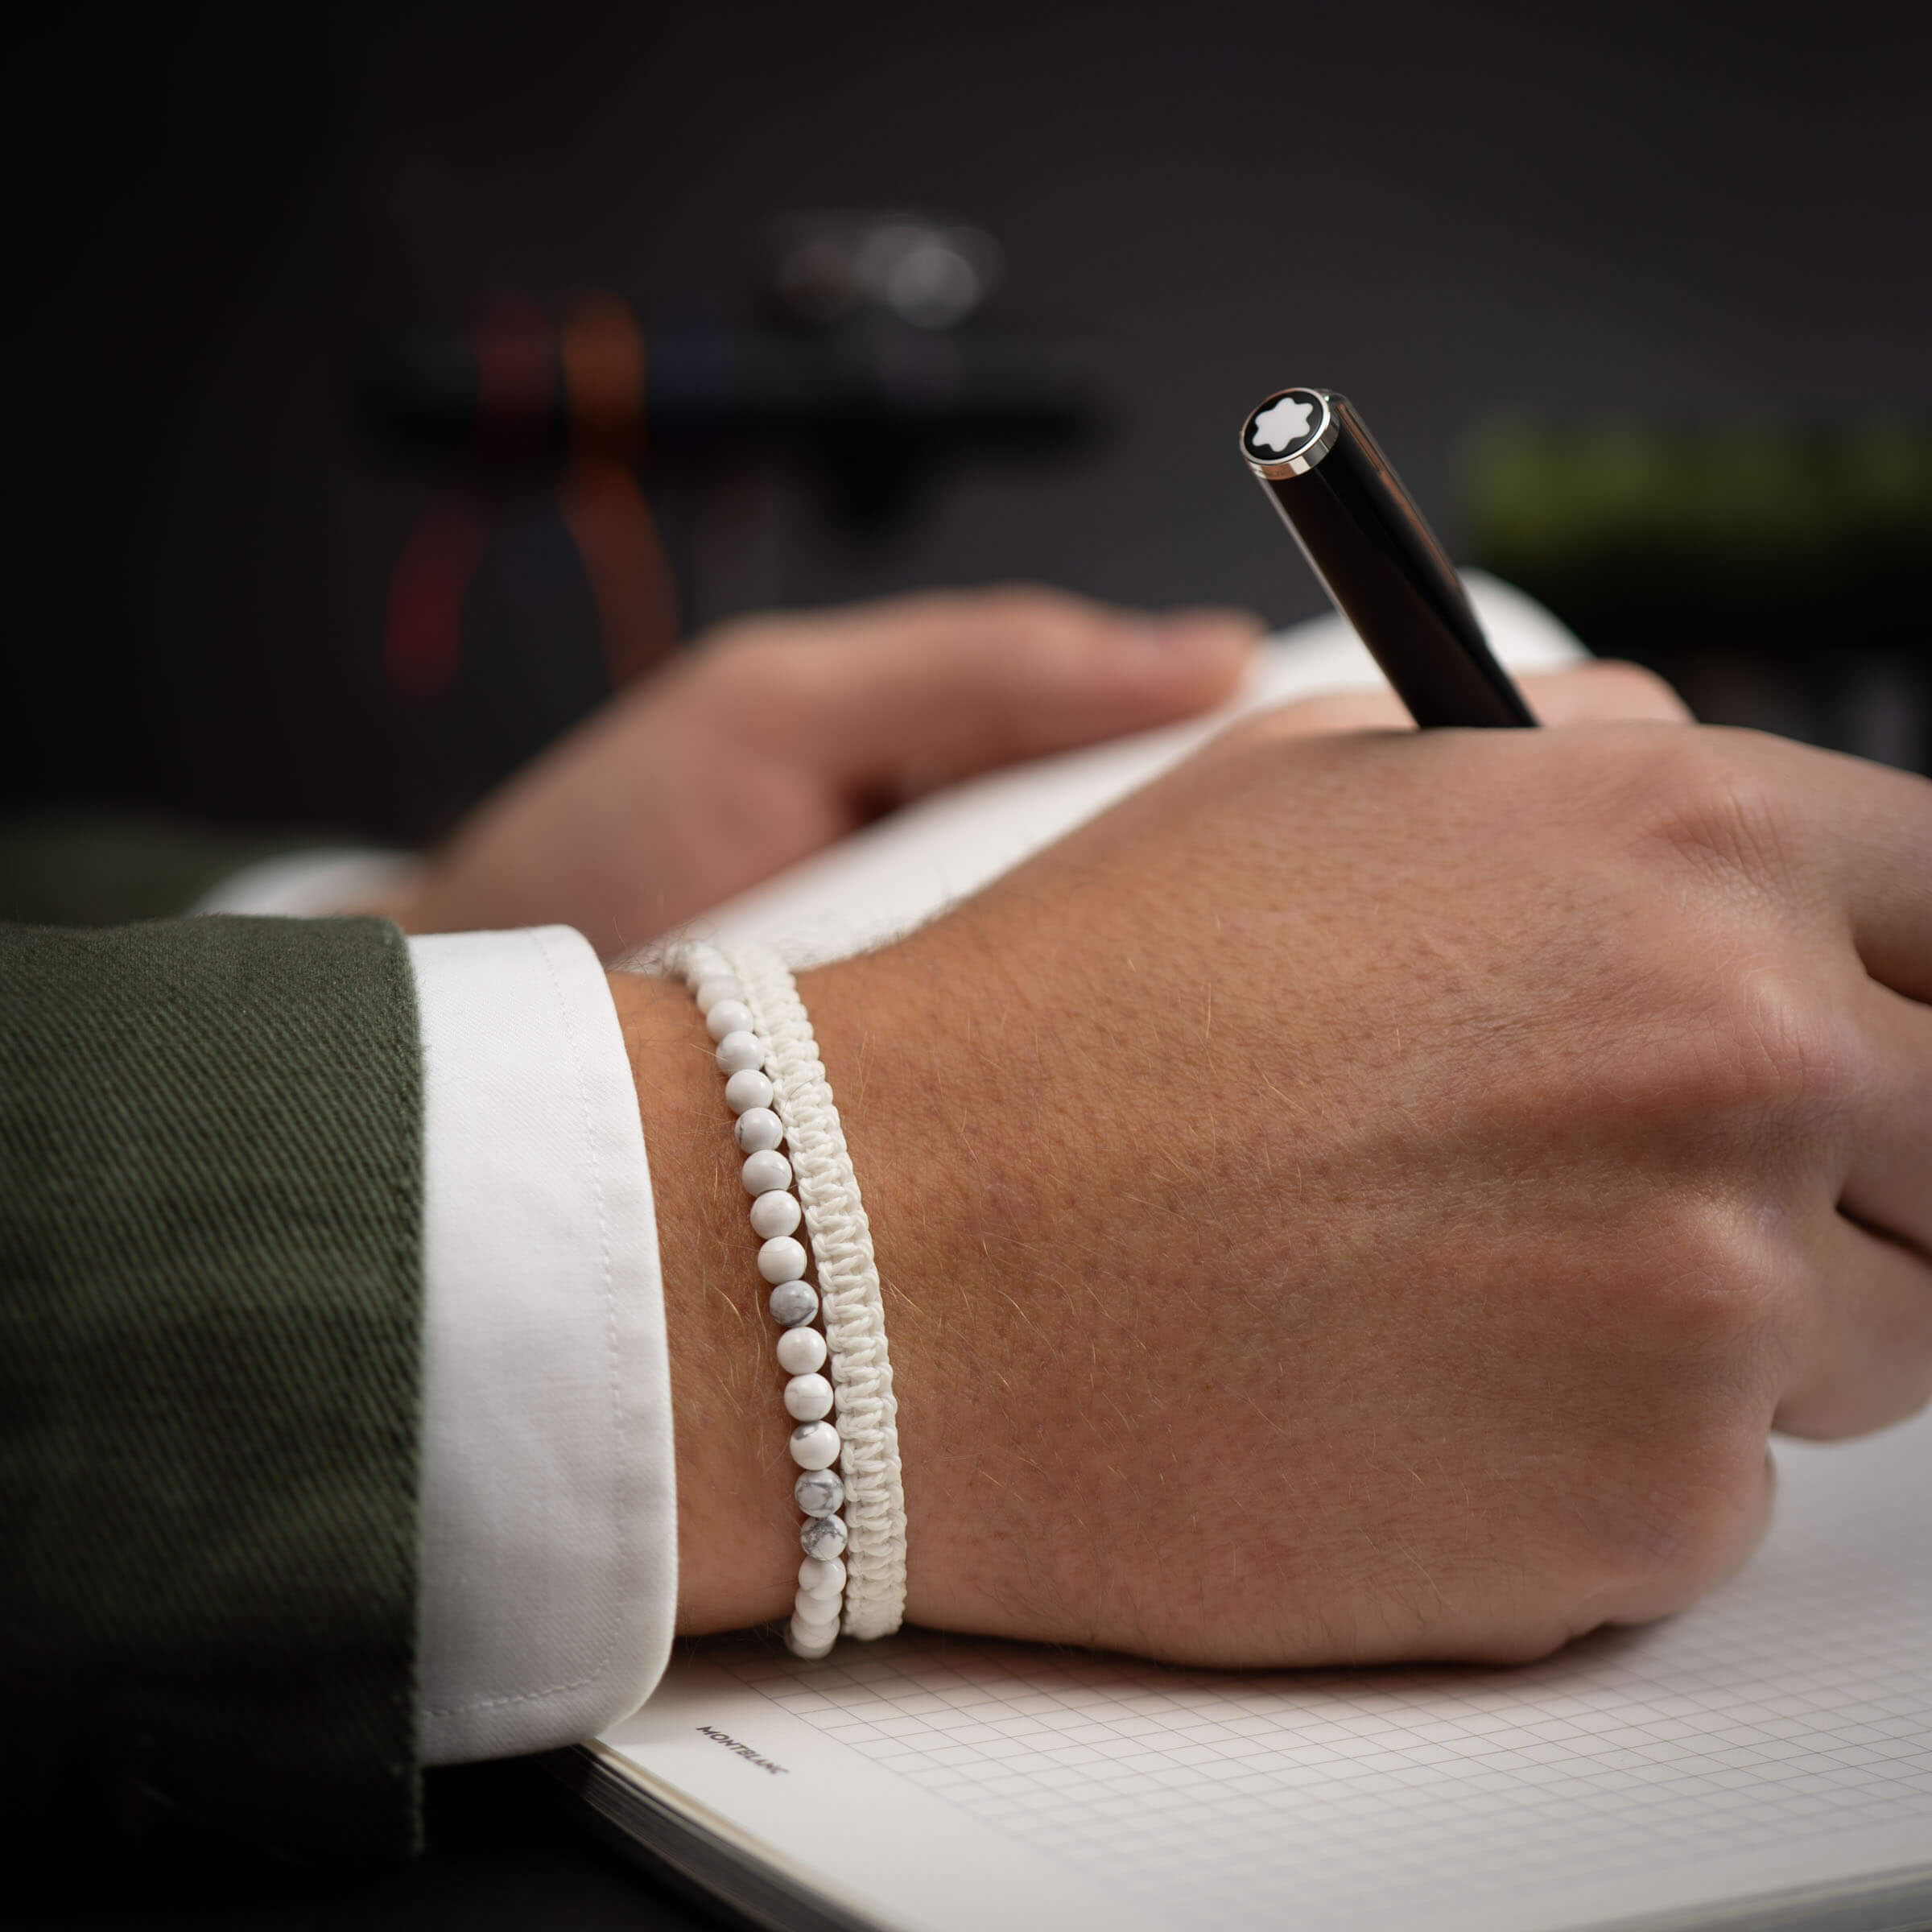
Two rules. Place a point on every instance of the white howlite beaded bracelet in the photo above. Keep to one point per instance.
(854, 1566)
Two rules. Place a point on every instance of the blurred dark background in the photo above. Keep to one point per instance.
(1638, 297)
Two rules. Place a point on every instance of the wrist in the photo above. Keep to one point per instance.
(949, 1194)
(929, 1116)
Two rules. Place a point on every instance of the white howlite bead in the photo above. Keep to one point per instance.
(819, 1492)
(739, 1051)
(815, 1574)
(714, 989)
(801, 1350)
(766, 1172)
(759, 1129)
(807, 1397)
(781, 1259)
(774, 1214)
(745, 1089)
(823, 1611)
(805, 1641)
(815, 1446)
(728, 1016)
(823, 1537)
(793, 1303)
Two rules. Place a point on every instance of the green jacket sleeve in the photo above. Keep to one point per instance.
(210, 1300)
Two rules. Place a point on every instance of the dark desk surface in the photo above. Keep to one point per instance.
(506, 1848)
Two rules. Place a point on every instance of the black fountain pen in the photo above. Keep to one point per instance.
(1378, 560)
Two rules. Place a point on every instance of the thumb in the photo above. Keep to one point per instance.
(895, 699)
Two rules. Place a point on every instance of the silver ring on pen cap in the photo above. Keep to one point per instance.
(1290, 433)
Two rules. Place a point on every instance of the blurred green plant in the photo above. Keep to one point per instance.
(1653, 540)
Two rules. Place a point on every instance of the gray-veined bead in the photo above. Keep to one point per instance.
(823, 1537)
(793, 1303)
(819, 1492)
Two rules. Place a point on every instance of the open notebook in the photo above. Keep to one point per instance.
(1764, 1761)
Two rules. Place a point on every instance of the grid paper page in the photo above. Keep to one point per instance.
(1779, 1731)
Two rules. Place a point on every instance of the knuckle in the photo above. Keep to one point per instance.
(1708, 1285)
(1788, 1047)
(1677, 1518)
(1755, 1052)
(1706, 801)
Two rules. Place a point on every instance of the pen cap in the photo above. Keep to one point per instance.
(1377, 559)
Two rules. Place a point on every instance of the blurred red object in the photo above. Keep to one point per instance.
(518, 352)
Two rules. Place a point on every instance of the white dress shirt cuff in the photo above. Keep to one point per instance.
(549, 1574)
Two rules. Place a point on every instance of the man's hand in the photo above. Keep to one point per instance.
(776, 735)
(1367, 1196)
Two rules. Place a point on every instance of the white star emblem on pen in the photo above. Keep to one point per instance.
(1281, 423)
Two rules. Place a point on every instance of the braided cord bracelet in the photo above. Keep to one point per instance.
(777, 1086)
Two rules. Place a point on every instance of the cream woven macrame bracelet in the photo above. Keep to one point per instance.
(751, 982)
